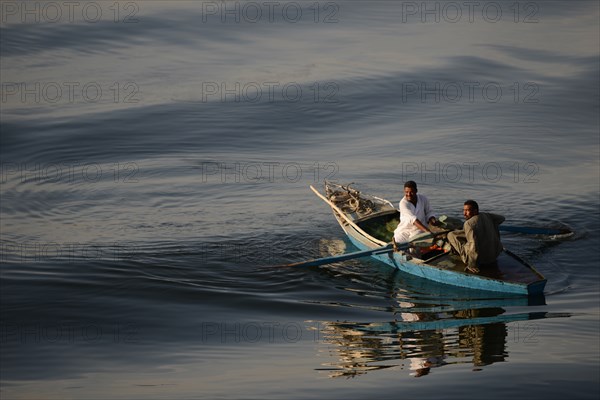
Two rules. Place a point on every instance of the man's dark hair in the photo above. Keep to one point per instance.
(473, 204)
(411, 184)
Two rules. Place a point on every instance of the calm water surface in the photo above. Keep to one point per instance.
(156, 158)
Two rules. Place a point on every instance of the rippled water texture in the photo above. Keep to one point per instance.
(155, 164)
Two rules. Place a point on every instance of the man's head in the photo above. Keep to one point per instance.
(470, 209)
(410, 190)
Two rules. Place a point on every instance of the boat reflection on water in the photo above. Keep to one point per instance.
(421, 341)
(428, 326)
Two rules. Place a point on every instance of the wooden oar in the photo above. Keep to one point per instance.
(530, 230)
(388, 248)
(527, 230)
(343, 257)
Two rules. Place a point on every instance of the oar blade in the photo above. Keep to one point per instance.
(531, 230)
(341, 257)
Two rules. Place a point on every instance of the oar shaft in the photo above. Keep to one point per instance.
(530, 230)
(357, 254)
(342, 257)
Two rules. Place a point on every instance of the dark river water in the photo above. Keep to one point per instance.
(156, 159)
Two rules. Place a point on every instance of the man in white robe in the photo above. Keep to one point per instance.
(415, 213)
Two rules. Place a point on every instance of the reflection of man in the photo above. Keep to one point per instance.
(486, 342)
(415, 212)
(478, 243)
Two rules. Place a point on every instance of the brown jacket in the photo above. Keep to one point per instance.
(483, 239)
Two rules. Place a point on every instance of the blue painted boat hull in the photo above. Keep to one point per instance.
(403, 262)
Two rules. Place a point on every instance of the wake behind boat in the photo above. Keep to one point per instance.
(369, 223)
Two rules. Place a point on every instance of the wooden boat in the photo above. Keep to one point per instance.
(369, 223)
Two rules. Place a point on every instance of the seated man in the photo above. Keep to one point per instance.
(478, 243)
(415, 212)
